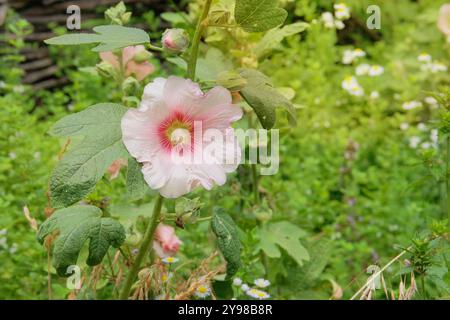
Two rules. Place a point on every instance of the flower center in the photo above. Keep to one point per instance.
(176, 130)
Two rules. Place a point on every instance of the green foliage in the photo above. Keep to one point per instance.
(227, 240)
(76, 225)
(110, 38)
(283, 235)
(136, 186)
(260, 94)
(273, 37)
(259, 15)
(84, 165)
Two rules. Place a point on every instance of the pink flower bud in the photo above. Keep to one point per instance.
(175, 40)
(166, 242)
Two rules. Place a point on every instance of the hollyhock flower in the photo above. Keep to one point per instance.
(171, 133)
(444, 20)
(131, 60)
(166, 242)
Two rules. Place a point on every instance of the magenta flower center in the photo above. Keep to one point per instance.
(177, 130)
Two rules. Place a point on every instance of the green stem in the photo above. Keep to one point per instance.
(447, 181)
(255, 183)
(192, 63)
(422, 282)
(264, 258)
(154, 48)
(144, 248)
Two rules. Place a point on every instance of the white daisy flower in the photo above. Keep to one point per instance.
(349, 82)
(431, 101)
(356, 90)
(3, 232)
(409, 105)
(341, 11)
(245, 287)
(170, 260)
(339, 24)
(262, 283)
(374, 95)
(166, 276)
(404, 126)
(376, 70)
(421, 126)
(362, 69)
(13, 248)
(12, 155)
(203, 291)
(348, 57)
(425, 145)
(237, 282)
(424, 57)
(414, 142)
(359, 53)
(328, 20)
(258, 294)
(434, 136)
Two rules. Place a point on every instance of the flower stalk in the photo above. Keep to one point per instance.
(201, 25)
(144, 248)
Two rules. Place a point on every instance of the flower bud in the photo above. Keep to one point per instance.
(142, 56)
(175, 40)
(129, 86)
(105, 69)
(118, 14)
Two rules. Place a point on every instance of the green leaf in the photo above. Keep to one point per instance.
(214, 62)
(285, 235)
(273, 37)
(260, 94)
(136, 185)
(84, 165)
(228, 242)
(76, 225)
(258, 15)
(109, 37)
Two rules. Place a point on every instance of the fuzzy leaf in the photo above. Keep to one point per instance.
(273, 37)
(258, 15)
(285, 235)
(76, 225)
(84, 165)
(109, 37)
(228, 242)
(260, 94)
(136, 185)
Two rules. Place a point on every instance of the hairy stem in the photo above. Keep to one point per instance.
(192, 63)
(447, 182)
(144, 248)
(255, 183)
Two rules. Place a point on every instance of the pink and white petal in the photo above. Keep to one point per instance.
(220, 116)
(110, 58)
(178, 184)
(139, 132)
(216, 96)
(153, 92)
(128, 54)
(209, 175)
(157, 172)
(140, 70)
(182, 94)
